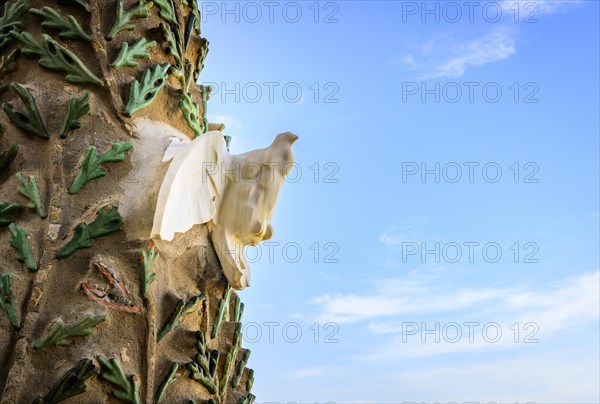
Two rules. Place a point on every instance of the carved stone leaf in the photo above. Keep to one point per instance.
(249, 399)
(61, 332)
(7, 157)
(6, 209)
(169, 379)
(20, 242)
(91, 167)
(123, 18)
(148, 256)
(191, 112)
(181, 309)
(55, 56)
(143, 93)
(71, 384)
(29, 188)
(6, 301)
(167, 10)
(173, 40)
(68, 26)
(29, 120)
(126, 388)
(8, 64)
(76, 108)
(127, 54)
(204, 366)
(11, 20)
(107, 221)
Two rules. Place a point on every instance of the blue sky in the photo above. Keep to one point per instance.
(374, 121)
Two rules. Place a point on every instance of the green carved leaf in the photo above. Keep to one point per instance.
(107, 221)
(6, 209)
(29, 120)
(230, 360)
(222, 314)
(61, 332)
(143, 93)
(68, 26)
(31, 46)
(55, 56)
(238, 309)
(20, 242)
(29, 188)
(91, 167)
(167, 10)
(249, 399)
(196, 12)
(202, 53)
(239, 370)
(169, 379)
(127, 55)
(148, 256)
(172, 36)
(71, 384)
(123, 19)
(205, 95)
(81, 239)
(77, 108)
(8, 64)
(181, 309)
(11, 20)
(204, 366)
(6, 299)
(127, 388)
(7, 157)
(250, 380)
(191, 112)
(190, 24)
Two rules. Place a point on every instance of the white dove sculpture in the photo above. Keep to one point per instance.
(234, 194)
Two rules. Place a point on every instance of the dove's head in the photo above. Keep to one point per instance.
(282, 149)
(287, 138)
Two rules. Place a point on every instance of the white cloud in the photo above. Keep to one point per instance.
(453, 52)
(396, 235)
(444, 56)
(409, 61)
(400, 297)
(496, 46)
(552, 378)
(531, 9)
(393, 239)
(554, 309)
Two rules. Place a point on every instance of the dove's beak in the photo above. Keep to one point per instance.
(288, 136)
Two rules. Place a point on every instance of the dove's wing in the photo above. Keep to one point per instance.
(174, 147)
(191, 186)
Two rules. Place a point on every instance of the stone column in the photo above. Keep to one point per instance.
(92, 309)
